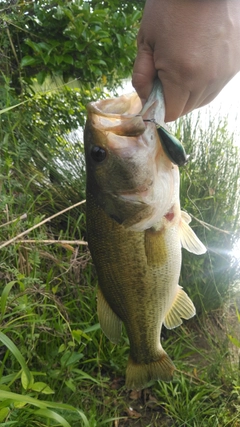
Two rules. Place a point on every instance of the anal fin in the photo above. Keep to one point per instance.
(110, 323)
(182, 308)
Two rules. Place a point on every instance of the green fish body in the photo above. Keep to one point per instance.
(135, 231)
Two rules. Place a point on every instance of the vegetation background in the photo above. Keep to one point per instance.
(56, 367)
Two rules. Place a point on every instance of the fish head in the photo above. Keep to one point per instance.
(128, 173)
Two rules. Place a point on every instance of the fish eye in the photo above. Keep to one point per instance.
(98, 154)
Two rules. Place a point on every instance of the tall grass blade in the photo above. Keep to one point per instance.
(47, 413)
(42, 404)
(5, 110)
(5, 294)
(16, 353)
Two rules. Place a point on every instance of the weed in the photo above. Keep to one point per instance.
(56, 366)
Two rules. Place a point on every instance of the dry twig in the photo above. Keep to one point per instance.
(8, 242)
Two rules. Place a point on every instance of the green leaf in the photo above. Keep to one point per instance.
(4, 413)
(68, 13)
(78, 334)
(9, 378)
(44, 46)
(83, 375)
(234, 340)
(92, 328)
(19, 404)
(33, 45)
(42, 387)
(41, 76)
(98, 62)
(58, 59)
(70, 358)
(62, 348)
(24, 380)
(68, 59)
(70, 384)
(16, 353)
(5, 404)
(27, 60)
(4, 387)
(5, 294)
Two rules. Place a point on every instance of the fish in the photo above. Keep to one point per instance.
(136, 230)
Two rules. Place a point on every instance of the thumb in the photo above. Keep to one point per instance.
(144, 74)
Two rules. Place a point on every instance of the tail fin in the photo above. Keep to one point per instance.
(139, 375)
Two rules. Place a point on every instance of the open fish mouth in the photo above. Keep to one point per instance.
(144, 181)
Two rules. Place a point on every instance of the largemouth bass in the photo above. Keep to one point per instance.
(136, 230)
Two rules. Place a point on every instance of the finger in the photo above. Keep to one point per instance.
(199, 98)
(181, 99)
(144, 74)
(176, 97)
(198, 101)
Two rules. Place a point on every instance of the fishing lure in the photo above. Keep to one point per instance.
(171, 145)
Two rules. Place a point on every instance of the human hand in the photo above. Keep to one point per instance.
(192, 46)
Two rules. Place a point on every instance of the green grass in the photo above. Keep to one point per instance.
(56, 366)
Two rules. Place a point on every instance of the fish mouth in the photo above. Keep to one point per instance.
(137, 195)
(125, 115)
(132, 197)
(118, 115)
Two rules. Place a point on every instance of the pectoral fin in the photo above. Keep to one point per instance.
(109, 321)
(188, 238)
(182, 308)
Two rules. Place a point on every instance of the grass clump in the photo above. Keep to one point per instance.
(56, 366)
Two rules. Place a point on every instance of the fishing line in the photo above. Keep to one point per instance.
(205, 239)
